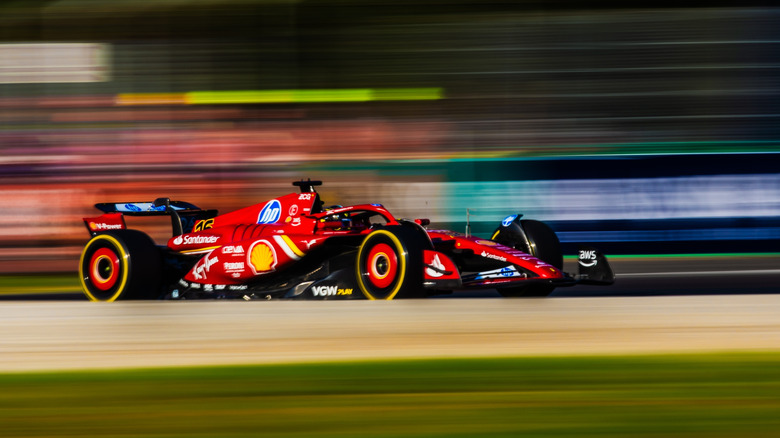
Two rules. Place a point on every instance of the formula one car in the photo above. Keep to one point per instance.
(292, 247)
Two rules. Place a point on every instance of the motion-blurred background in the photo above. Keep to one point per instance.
(637, 128)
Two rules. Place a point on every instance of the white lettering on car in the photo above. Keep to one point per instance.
(493, 256)
(202, 268)
(328, 291)
(237, 249)
(588, 258)
(233, 266)
(195, 240)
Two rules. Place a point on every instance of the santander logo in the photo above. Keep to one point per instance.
(194, 240)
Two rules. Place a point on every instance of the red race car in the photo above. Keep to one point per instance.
(292, 247)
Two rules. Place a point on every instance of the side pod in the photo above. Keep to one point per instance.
(593, 267)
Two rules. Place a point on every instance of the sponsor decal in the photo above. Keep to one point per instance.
(136, 207)
(194, 240)
(233, 266)
(508, 271)
(233, 249)
(305, 197)
(493, 256)
(238, 287)
(503, 273)
(201, 270)
(203, 224)
(329, 291)
(486, 242)
(289, 247)
(296, 221)
(102, 226)
(270, 213)
(588, 258)
(262, 257)
(293, 210)
(508, 220)
(436, 263)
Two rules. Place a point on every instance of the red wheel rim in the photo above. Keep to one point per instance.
(382, 264)
(104, 269)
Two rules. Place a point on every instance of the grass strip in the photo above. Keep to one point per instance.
(23, 284)
(708, 395)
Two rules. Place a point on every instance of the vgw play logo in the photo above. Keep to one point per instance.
(270, 213)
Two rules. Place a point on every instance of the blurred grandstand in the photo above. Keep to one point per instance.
(642, 130)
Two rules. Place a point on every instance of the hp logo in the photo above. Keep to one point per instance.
(270, 213)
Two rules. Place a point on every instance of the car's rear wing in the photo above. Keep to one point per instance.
(184, 216)
(159, 207)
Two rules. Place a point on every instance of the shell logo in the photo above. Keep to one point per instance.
(262, 257)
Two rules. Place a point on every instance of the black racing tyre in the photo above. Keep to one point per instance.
(390, 264)
(544, 242)
(120, 265)
(532, 237)
(537, 239)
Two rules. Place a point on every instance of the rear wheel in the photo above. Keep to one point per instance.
(390, 264)
(120, 265)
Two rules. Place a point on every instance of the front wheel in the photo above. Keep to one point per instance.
(532, 237)
(120, 265)
(390, 264)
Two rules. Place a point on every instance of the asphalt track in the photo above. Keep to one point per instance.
(635, 276)
(657, 305)
(80, 335)
(687, 275)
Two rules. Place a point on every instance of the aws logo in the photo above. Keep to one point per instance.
(270, 213)
(587, 258)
